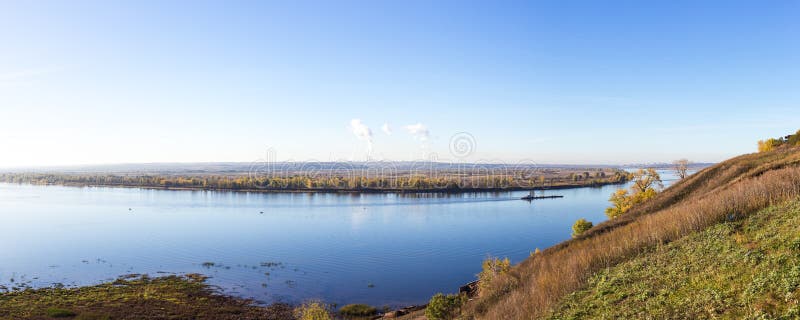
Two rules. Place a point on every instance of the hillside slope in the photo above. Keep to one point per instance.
(729, 191)
(740, 269)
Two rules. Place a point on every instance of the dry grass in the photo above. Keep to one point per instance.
(728, 190)
(742, 269)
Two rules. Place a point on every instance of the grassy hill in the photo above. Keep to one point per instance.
(734, 223)
(744, 269)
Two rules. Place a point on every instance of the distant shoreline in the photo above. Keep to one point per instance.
(342, 191)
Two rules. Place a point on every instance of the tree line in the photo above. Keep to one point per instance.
(332, 182)
(772, 143)
(646, 184)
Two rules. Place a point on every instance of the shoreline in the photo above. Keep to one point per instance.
(117, 298)
(342, 191)
(137, 296)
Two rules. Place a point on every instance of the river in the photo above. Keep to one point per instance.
(380, 249)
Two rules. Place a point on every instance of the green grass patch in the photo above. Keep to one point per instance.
(747, 269)
(135, 297)
(92, 316)
(60, 313)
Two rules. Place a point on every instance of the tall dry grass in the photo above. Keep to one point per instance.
(729, 190)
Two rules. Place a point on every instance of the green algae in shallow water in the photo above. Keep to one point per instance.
(170, 297)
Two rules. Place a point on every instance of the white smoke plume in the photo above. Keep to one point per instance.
(362, 132)
(386, 129)
(419, 131)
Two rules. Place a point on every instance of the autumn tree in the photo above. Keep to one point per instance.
(646, 183)
(768, 145)
(794, 140)
(492, 270)
(681, 166)
(646, 179)
(600, 174)
(620, 203)
(580, 226)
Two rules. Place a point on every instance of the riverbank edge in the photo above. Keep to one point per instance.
(594, 184)
(139, 296)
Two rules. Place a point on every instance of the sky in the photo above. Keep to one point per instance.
(572, 82)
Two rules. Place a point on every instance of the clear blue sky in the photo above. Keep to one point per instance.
(548, 81)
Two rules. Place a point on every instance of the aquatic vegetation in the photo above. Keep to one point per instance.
(273, 265)
(357, 309)
(170, 297)
(313, 310)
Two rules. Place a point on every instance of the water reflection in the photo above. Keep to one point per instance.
(381, 249)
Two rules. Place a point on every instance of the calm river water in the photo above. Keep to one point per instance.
(380, 249)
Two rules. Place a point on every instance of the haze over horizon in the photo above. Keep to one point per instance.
(92, 82)
(214, 167)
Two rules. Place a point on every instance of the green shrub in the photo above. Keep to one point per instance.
(580, 226)
(59, 313)
(312, 310)
(92, 316)
(492, 278)
(357, 309)
(794, 140)
(444, 307)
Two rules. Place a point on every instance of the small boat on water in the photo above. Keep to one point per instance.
(531, 196)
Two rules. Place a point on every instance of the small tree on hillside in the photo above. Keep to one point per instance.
(681, 166)
(620, 203)
(768, 145)
(580, 226)
(794, 140)
(646, 183)
(444, 307)
(492, 270)
(644, 179)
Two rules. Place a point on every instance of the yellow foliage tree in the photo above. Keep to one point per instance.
(646, 179)
(492, 269)
(768, 145)
(646, 183)
(620, 203)
(580, 226)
